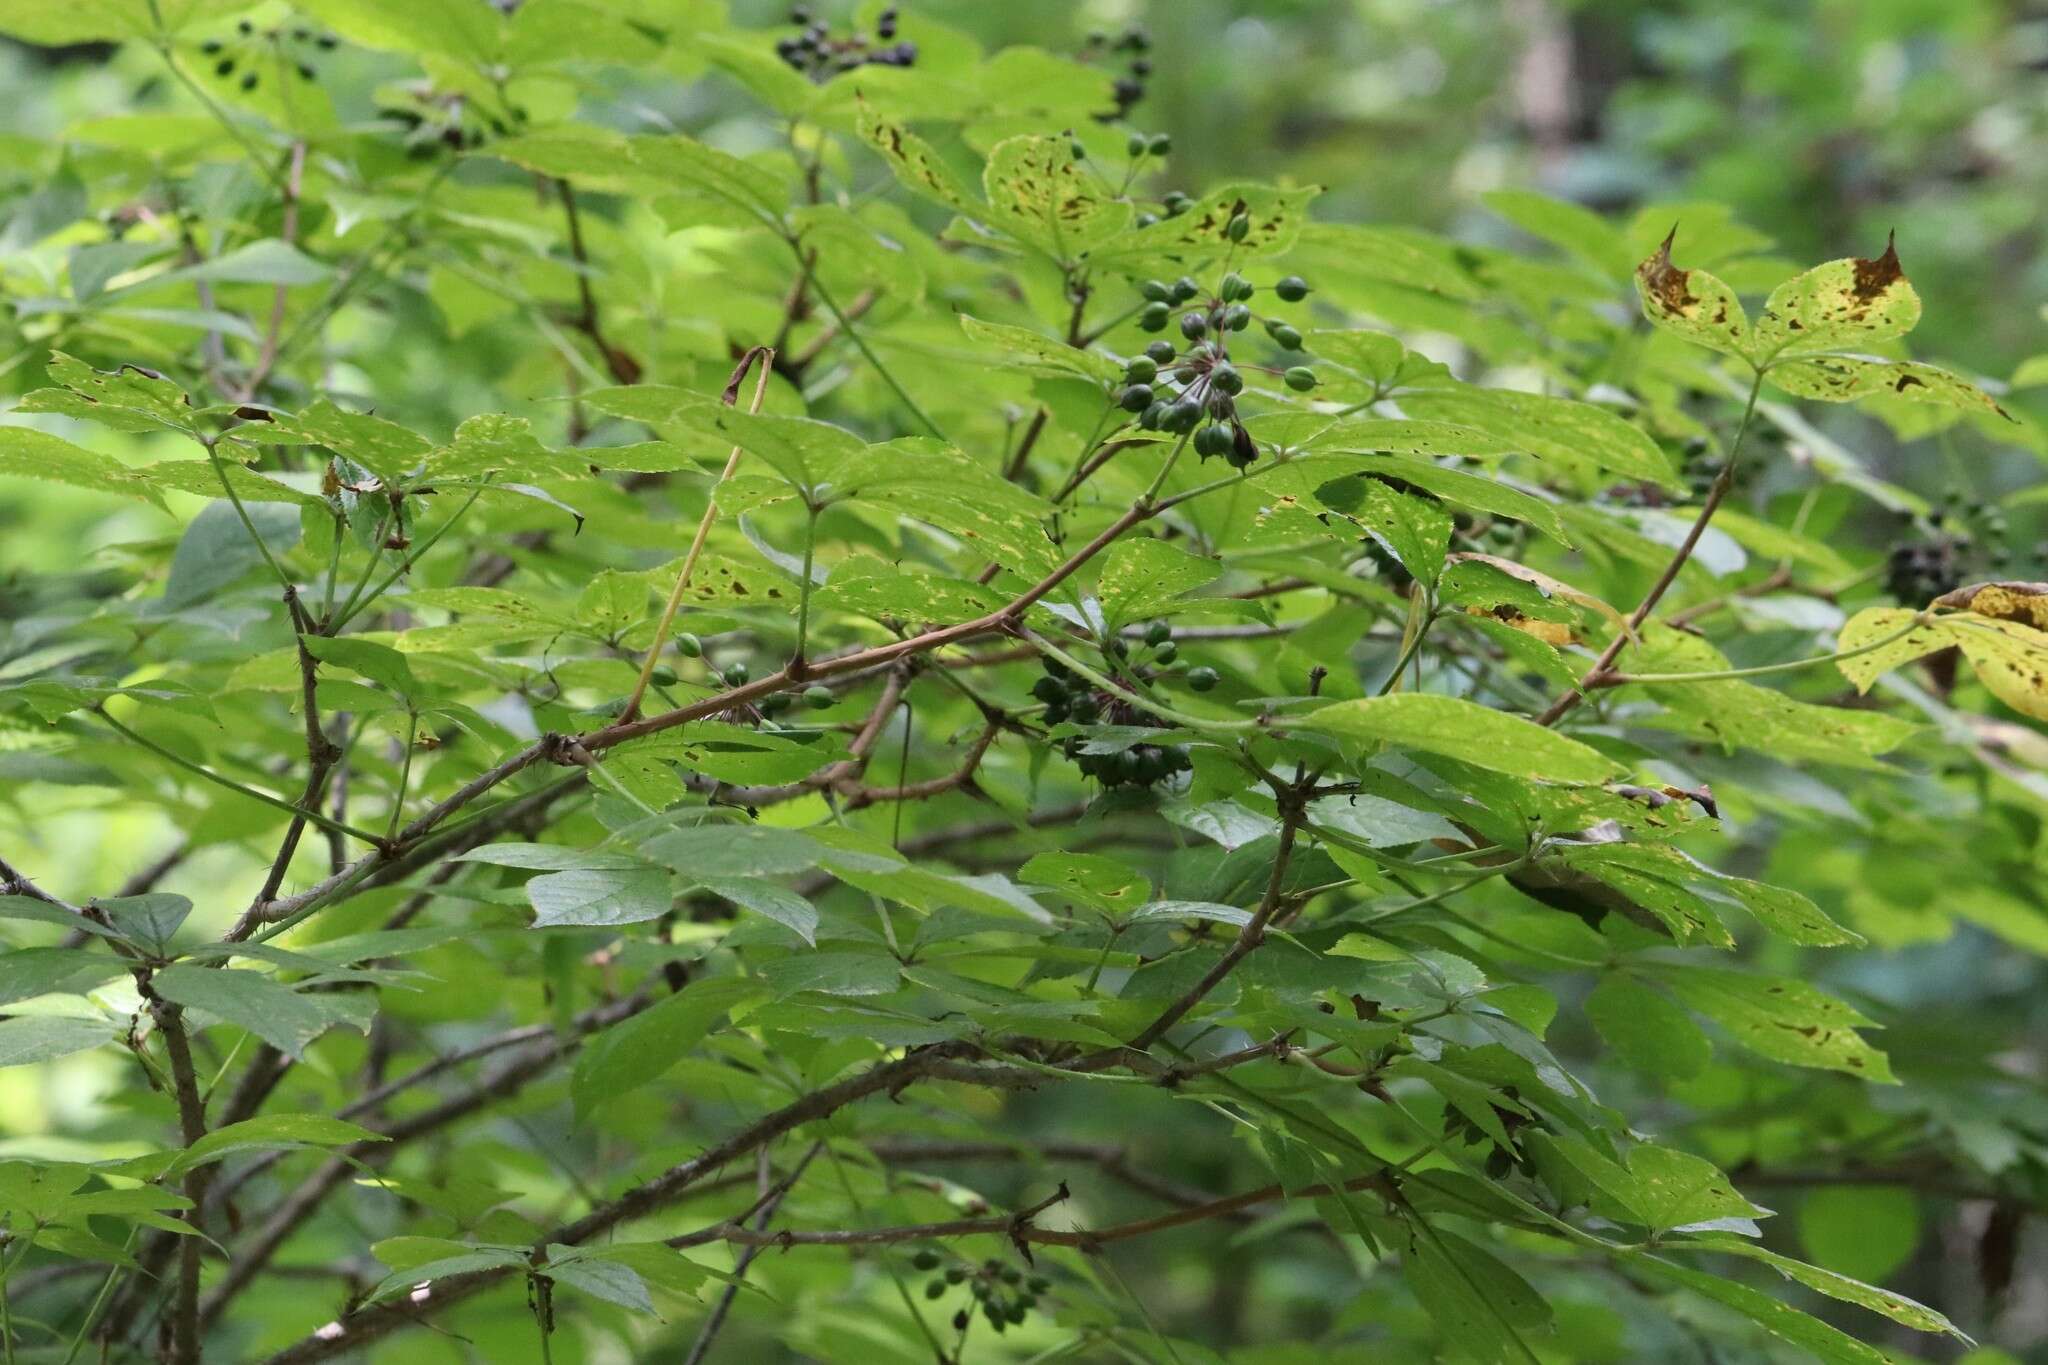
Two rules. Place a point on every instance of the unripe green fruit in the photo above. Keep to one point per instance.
(1185, 289)
(926, 1259)
(1286, 337)
(1166, 653)
(818, 698)
(736, 675)
(663, 677)
(1160, 144)
(1156, 290)
(935, 1290)
(1234, 287)
(1136, 144)
(1237, 317)
(1177, 204)
(1183, 416)
(1301, 379)
(1152, 317)
(689, 646)
(1145, 219)
(1293, 289)
(1154, 417)
(1158, 633)
(1226, 379)
(1202, 679)
(1136, 398)
(1142, 369)
(1238, 228)
(776, 703)
(955, 1274)
(1193, 326)
(1161, 352)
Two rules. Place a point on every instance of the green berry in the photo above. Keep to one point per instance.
(935, 1290)
(1193, 326)
(1202, 679)
(1166, 652)
(736, 675)
(955, 1274)
(1158, 633)
(1284, 336)
(818, 698)
(1160, 144)
(689, 646)
(926, 1259)
(1226, 379)
(663, 677)
(1237, 317)
(1160, 352)
(1137, 144)
(1185, 289)
(1038, 1284)
(1293, 289)
(776, 703)
(1153, 418)
(1145, 220)
(1238, 228)
(1234, 287)
(1177, 204)
(1152, 317)
(1142, 369)
(1183, 416)
(1135, 398)
(1159, 291)
(1301, 379)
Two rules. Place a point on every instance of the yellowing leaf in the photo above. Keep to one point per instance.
(1692, 304)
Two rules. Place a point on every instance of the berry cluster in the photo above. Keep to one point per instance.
(1960, 540)
(1194, 390)
(244, 52)
(819, 55)
(1070, 698)
(1006, 1296)
(1500, 1161)
(1130, 87)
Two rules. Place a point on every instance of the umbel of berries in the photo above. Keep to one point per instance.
(1071, 698)
(820, 54)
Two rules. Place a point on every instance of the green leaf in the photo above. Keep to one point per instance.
(600, 896)
(1141, 578)
(30, 454)
(1897, 1307)
(28, 1039)
(1104, 883)
(1572, 433)
(1647, 1031)
(1780, 1018)
(1863, 1231)
(1661, 1188)
(1462, 730)
(277, 1014)
(271, 1133)
(1470, 1296)
(216, 548)
(600, 1278)
(1037, 353)
(783, 906)
(30, 972)
(384, 448)
(733, 851)
(1780, 1319)
(381, 664)
(637, 1050)
(1274, 220)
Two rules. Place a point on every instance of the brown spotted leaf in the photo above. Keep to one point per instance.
(1867, 628)
(1274, 219)
(2011, 660)
(2026, 603)
(916, 165)
(1040, 196)
(1845, 378)
(1692, 304)
(1850, 302)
